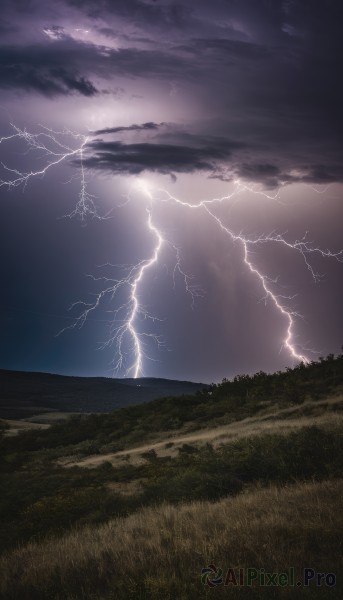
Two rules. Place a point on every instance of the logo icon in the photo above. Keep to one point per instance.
(211, 576)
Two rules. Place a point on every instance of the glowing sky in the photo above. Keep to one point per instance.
(176, 100)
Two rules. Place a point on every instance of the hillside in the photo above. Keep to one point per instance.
(160, 555)
(292, 392)
(90, 498)
(24, 394)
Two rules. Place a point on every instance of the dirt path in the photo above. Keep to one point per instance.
(269, 422)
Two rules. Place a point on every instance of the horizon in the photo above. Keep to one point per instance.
(123, 379)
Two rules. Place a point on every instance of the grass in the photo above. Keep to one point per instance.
(222, 404)
(158, 552)
(175, 485)
(326, 413)
(14, 427)
(38, 498)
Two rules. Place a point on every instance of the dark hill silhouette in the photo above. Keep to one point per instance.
(24, 394)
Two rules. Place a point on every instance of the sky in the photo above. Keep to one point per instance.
(170, 186)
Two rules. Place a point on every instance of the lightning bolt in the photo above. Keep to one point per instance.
(134, 308)
(54, 146)
(288, 341)
(125, 335)
(129, 342)
(303, 246)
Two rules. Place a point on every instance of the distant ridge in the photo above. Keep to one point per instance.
(24, 394)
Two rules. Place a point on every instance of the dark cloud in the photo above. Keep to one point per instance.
(144, 127)
(138, 12)
(266, 74)
(63, 65)
(23, 6)
(271, 176)
(49, 82)
(42, 70)
(176, 151)
(267, 174)
(119, 158)
(7, 28)
(228, 50)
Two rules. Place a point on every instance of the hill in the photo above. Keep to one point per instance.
(134, 504)
(160, 555)
(24, 394)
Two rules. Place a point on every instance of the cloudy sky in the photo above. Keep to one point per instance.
(194, 144)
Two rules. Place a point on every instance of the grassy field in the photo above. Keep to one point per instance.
(14, 427)
(326, 413)
(133, 504)
(159, 552)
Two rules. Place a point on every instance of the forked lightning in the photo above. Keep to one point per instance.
(125, 336)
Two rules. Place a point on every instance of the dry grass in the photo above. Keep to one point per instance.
(324, 413)
(158, 553)
(53, 416)
(41, 421)
(17, 426)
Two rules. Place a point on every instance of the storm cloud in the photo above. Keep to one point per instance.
(144, 127)
(119, 158)
(219, 96)
(266, 75)
(47, 70)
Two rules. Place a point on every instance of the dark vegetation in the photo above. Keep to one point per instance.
(158, 553)
(38, 497)
(41, 498)
(219, 404)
